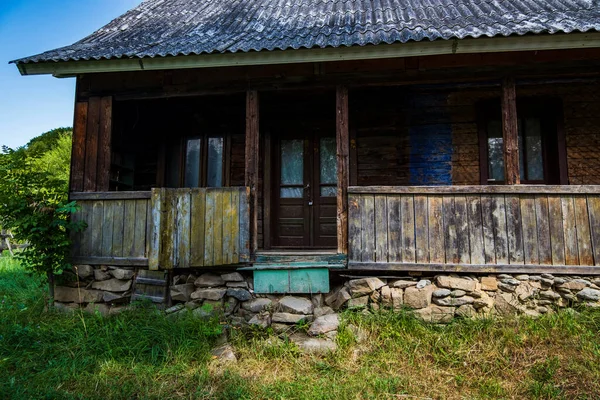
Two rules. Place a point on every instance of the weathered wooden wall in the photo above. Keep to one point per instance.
(199, 227)
(117, 228)
(499, 228)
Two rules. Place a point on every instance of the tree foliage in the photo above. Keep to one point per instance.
(34, 200)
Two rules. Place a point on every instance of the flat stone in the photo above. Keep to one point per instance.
(74, 295)
(288, 318)
(175, 308)
(535, 284)
(209, 280)
(441, 293)
(232, 277)
(466, 311)
(489, 283)
(511, 281)
(422, 283)
(506, 304)
(100, 275)
(192, 305)
(458, 293)
(113, 298)
(569, 296)
(312, 345)
(451, 301)
(397, 298)
(182, 292)
(525, 291)
(386, 296)
(342, 296)
(324, 324)
(93, 308)
(506, 287)
(589, 294)
(547, 282)
(435, 314)
(548, 276)
(262, 320)
(559, 281)
(230, 305)
(574, 285)
(320, 311)
(485, 301)
(224, 353)
(113, 285)
(84, 271)
(240, 294)
(522, 277)
(67, 308)
(209, 294)
(418, 298)
(358, 302)
(122, 274)
(542, 310)
(191, 278)
(256, 305)
(504, 276)
(456, 283)
(375, 297)
(359, 287)
(535, 278)
(243, 285)
(203, 313)
(296, 305)
(549, 294)
(281, 328)
(403, 284)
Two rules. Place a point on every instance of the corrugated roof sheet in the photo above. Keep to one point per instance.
(182, 27)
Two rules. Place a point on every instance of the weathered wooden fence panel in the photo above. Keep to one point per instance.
(116, 231)
(199, 227)
(484, 228)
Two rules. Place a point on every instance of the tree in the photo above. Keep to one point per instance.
(34, 203)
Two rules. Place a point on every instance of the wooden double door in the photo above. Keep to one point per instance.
(304, 191)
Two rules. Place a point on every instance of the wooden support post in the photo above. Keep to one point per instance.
(343, 167)
(78, 148)
(252, 159)
(510, 132)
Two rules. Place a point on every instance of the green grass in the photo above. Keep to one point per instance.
(141, 354)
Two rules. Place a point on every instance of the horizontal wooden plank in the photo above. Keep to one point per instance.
(110, 195)
(119, 261)
(476, 268)
(478, 189)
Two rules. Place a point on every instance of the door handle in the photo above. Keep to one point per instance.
(310, 203)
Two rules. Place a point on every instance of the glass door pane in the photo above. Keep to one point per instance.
(533, 149)
(214, 173)
(292, 168)
(328, 167)
(192, 163)
(495, 152)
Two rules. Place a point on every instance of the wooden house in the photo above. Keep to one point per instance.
(302, 137)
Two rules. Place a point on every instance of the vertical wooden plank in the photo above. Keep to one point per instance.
(156, 213)
(407, 210)
(514, 229)
(394, 228)
(107, 228)
(218, 228)
(267, 208)
(343, 159)
(450, 230)
(148, 229)
(421, 229)
(209, 228)
(78, 148)
(354, 228)
(381, 229)
(227, 231)
(168, 253)
(437, 245)
(462, 229)
(91, 145)
(197, 217)
(569, 230)
(139, 235)
(489, 245)
(510, 131)
(118, 228)
(129, 228)
(543, 229)
(529, 226)
(593, 201)
(76, 236)
(98, 216)
(557, 241)
(104, 144)
(584, 239)
(252, 163)
(367, 227)
(183, 232)
(244, 217)
(475, 221)
(500, 233)
(235, 226)
(86, 235)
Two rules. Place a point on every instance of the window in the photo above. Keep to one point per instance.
(196, 162)
(539, 152)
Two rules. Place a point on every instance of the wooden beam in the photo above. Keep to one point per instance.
(476, 268)
(78, 149)
(483, 189)
(91, 145)
(252, 160)
(343, 167)
(120, 261)
(129, 195)
(104, 144)
(510, 132)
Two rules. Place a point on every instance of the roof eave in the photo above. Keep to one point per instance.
(410, 49)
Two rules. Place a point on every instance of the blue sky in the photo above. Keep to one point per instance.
(31, 105)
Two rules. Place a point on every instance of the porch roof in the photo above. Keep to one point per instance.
(160, 28)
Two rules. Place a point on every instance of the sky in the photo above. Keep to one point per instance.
(32, 105)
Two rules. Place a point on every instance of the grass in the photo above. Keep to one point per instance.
(141, 354)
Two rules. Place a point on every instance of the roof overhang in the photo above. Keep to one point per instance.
(410, 49)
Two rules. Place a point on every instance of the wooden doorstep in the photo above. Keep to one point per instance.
(476, 268)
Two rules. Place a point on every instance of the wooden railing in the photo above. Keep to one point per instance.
(475, 229)
(164, 228)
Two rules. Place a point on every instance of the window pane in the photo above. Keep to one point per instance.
(533, 149)
(172, 176)
(292, 193)
(292, 168)
(328, 191)
(192, 163)
(328, 161)
(495, 151)
(214, 173)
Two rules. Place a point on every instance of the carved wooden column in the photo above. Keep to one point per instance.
(252, 160)
(510, 132)
(342, 140)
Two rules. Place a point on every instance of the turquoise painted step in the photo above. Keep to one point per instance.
(271, 280)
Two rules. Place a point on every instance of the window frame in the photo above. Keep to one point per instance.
(550, 113)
